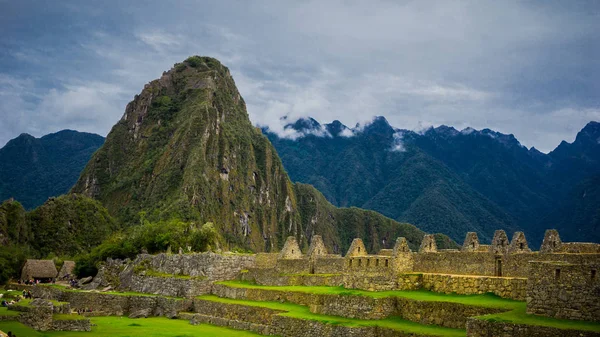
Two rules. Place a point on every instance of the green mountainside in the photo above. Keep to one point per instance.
(185, 149)
(448, 180)
(62, 227)
(34, 169)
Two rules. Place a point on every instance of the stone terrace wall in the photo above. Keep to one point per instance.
(114, 304)
(507, 287)
(563, 290)
(453, 315)
(482, 328)
(268, 277)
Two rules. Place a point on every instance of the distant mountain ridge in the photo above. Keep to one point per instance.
(443, 179)
(34, 169)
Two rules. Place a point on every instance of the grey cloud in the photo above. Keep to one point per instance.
(525, 68)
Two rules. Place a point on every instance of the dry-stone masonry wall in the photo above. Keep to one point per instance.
(483, 328)
(564, 290)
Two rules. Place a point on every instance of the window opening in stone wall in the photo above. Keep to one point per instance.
(368, 262)
(359, 263)
(557, 274)
(292, 251)
(498, 267)
(472, 244)
(386, 262)
(430, 245)
(377, 263)
(359, 249)
(521, 245)
(593, 274)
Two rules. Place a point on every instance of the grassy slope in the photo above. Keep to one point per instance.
(516, 314)
(303, 312)
(125, 327)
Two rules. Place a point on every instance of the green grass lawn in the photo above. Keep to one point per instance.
(303, 312)
(520, 316)
(484, 300)
(126, 327)
(5, 312)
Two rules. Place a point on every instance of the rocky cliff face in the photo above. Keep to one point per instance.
(185, 148)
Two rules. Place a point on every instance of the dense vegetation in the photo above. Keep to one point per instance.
(62, 227)
(34, 169)
(152, 238)
(450, 181)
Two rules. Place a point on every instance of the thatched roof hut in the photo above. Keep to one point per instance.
(68, 268)
(39, 269)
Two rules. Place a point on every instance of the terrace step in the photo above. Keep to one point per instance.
(286, 319)
(196, 318)
(364, 305)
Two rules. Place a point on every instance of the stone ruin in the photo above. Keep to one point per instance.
(428, 245)
(499, 242)
(291, 249)
(518, 244)
(471, 243)
(357, 248)
(551, 242)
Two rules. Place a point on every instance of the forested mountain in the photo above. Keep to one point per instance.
(34, 169)
(447, 180)
(185, 149)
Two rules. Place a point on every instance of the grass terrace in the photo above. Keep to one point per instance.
(516, 310)
(5, 312)
(303, 312)
(484, 300)
(127, 327)
(520, 316)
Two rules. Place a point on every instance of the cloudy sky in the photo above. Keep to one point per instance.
(531, 68)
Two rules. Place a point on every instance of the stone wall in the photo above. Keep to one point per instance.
(76, 324)
(181, 275)
(486, 263)
(270, 278)
(293, 266)
(506, 287)
(464, 262)
(371, 282)
(115, 304)
(564, 290)
(370, 264)
(448, 314)
(483, 328)
(209, 265)
(329, 264)
(169, 286)
(265, 260)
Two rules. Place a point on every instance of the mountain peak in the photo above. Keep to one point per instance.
(304, 124)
